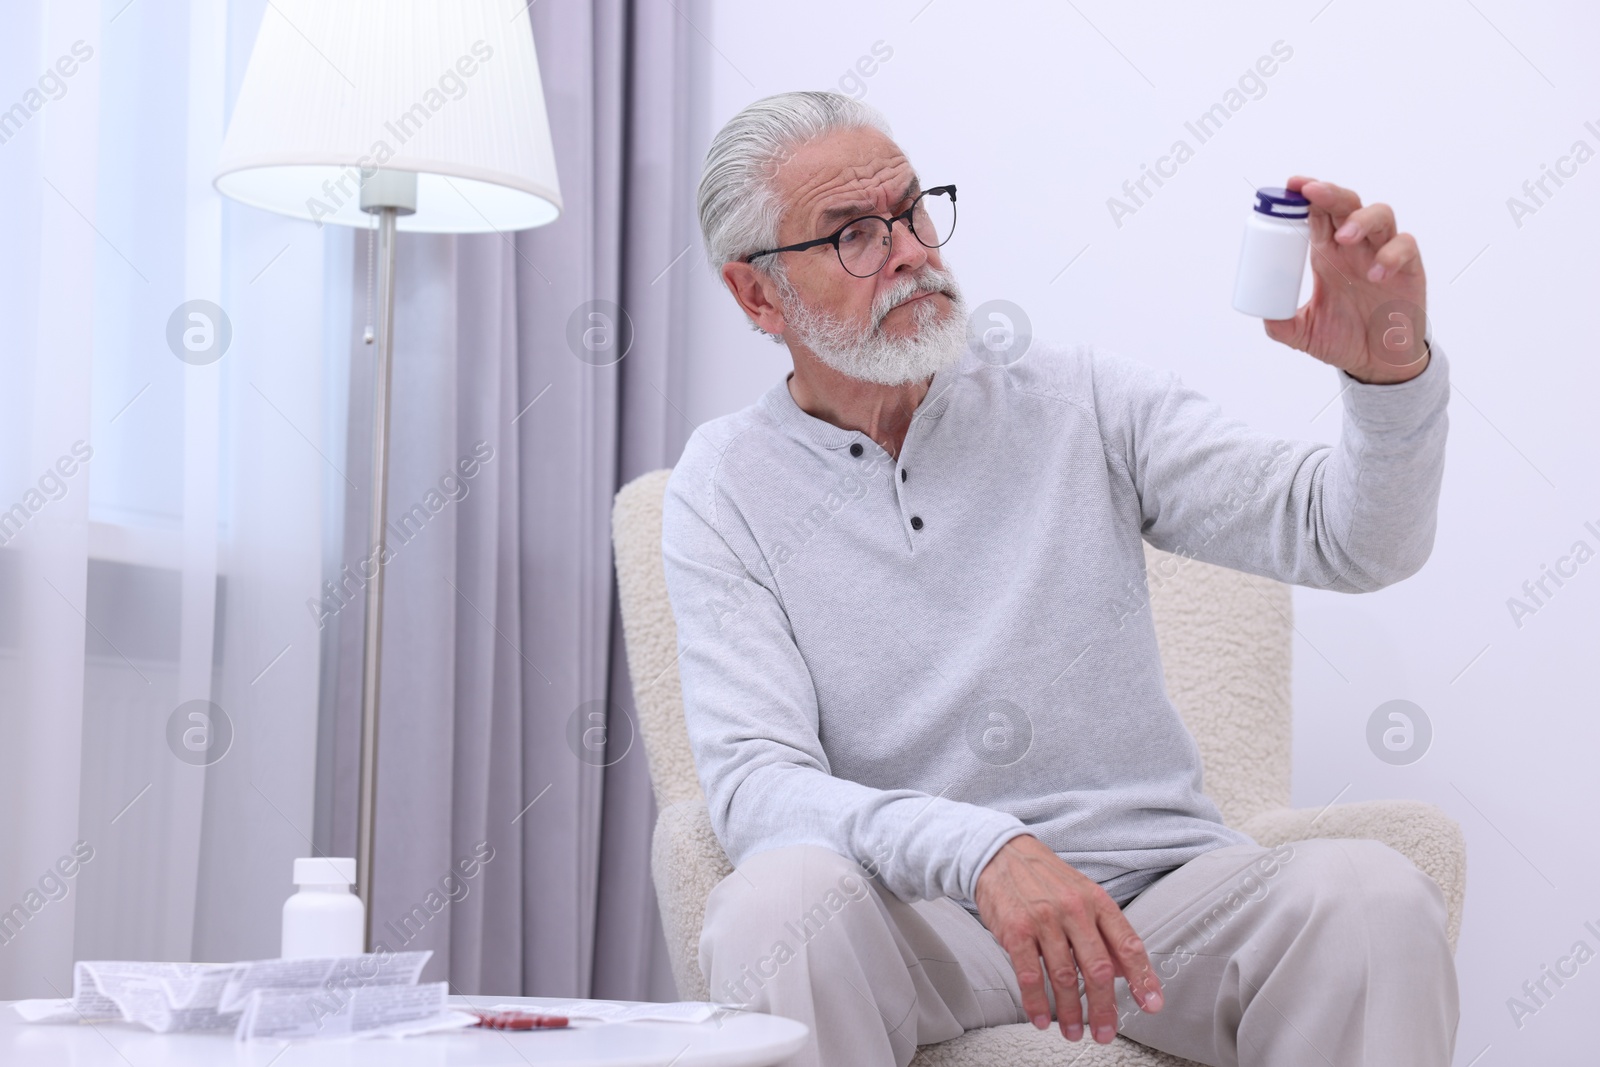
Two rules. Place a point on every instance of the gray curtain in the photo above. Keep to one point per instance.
(514, 810)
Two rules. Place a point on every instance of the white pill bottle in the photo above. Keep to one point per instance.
(324, 918)
(1272, 259)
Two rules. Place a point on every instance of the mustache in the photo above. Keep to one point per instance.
(930, 281)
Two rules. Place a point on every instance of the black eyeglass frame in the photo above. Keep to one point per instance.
(833, 238)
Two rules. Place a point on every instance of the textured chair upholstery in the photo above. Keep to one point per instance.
(1225, 650)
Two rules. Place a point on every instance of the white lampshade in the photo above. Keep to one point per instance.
(448, 89)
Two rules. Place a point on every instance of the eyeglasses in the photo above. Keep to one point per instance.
(863, 244)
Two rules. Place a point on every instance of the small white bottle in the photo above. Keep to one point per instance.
(324, 918)
(1272, 259)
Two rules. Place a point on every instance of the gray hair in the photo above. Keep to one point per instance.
(739, 209)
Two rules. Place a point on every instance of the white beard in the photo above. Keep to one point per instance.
(867, 353)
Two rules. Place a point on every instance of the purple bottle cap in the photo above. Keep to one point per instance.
(1281, 203)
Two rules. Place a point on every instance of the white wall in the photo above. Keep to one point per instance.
(1442, 109)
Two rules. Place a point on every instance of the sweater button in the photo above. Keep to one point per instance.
(916, 522)
(902, 474)
(855, 448)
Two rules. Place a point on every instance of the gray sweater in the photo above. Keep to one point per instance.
(912, 662)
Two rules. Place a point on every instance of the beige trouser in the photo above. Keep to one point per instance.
(1323, 952)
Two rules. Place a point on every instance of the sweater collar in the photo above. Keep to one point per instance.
(780, 406)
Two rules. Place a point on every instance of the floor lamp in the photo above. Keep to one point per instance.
(428, 114)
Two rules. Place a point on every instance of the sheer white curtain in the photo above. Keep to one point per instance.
(163, 520)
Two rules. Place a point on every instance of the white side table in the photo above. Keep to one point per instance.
(741, 1039)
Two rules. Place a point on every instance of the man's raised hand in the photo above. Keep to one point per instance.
(1368, 307)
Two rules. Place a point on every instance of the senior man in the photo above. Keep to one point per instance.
(921, 684)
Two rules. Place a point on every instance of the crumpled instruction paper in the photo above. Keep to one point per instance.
(371, 995)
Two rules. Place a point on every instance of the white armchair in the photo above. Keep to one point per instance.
(1225, 650)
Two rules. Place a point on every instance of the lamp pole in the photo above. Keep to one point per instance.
(387, 194)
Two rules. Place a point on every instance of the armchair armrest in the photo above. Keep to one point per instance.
(686, 863)
(1417, 830)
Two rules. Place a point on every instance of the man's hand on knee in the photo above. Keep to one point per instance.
(1038, 905)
